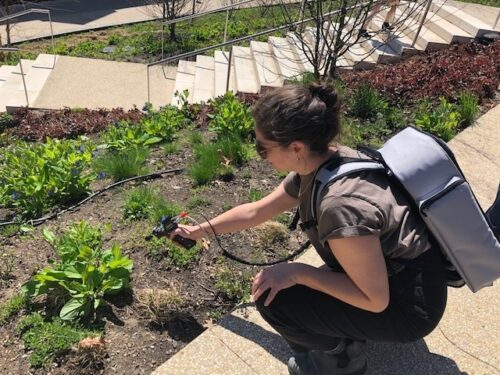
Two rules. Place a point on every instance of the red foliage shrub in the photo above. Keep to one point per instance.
(33, 125)
(469, 67)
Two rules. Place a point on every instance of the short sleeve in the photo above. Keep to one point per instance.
(291, 184)
(348, 216)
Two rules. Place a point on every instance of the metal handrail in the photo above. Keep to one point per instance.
(18, 50)
(35, 10)
(250, 37)
(193, 16)
(429, 2)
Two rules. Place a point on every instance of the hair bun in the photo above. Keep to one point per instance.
(325, 92)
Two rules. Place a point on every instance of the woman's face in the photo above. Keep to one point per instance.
(281, 158)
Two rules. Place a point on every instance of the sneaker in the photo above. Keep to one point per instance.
(364, 34)
(343, 360)
(386, 26)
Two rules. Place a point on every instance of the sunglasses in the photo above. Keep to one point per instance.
(262, 150)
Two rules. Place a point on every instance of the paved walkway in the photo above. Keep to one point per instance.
(79, 15)
(467, 340)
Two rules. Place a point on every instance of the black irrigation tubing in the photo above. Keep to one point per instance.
(41, 220)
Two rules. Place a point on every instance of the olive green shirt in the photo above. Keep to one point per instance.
(359, 204)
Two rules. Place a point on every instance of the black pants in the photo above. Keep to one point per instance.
(309, 319)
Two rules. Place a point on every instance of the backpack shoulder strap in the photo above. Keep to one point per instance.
(336, 169)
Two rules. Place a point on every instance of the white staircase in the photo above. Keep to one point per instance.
(269, 64)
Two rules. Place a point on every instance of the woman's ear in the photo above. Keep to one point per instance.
(298, 147)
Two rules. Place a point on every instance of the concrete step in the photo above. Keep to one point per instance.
(184, 80)
(300, 47)
(26, 65)
(399, 42)
(265, 65)
(463, 20)
(427, 39)
(244, 70)
(289, 64)
(5, 73)
(39, 73)
(446, 30)
(204, 79)
(45, 60)
(221, 65)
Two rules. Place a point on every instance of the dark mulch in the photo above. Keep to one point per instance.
(472, 67)
(33, 125)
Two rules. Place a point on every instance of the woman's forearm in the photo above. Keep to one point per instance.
(238, 218)
(337, 285)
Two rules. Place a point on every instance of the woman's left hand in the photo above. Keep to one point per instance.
(275, 278)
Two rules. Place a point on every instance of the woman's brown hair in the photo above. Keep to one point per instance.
(298, 113)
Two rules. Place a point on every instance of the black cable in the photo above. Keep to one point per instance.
(227, 254)
(36, 222)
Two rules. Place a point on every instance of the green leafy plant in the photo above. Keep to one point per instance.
(122, 164)
(255, 195)
(198, 201)
(158, 126)
(12, 306)
(233, 150)
(181, 257)
(139, 202)
(48, 339)
(162, 207)
(230, 117)
(6, 120)
(206, 166)
(35, 178)
(170, 148)
(232, 284)
(442, 121)
(85, 273)
(366, 102)
(195, 138)
(467, 108)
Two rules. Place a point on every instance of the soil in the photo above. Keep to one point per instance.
(135, 345)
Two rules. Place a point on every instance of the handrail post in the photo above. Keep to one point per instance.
(225, 27)
(162, 39)
(147, 73)
(496, 21)
(52, 40)
(229, 67)
(24, 81)
(429, 2)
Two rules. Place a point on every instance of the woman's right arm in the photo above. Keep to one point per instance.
(243, 216)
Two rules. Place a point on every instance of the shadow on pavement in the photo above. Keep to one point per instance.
(383, 358)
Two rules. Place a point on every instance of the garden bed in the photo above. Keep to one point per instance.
(174, 294)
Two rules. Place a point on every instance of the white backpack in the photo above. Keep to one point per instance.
(426, 170)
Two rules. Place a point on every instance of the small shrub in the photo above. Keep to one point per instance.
(162, 207)
(230, 117)
(181, 257)
(7, 261)
(195, 138)
(11, 307)
(48, 339)
(304, 79)
(233, 285)
(467, 108)
(366, 102)
(6, 120)
(123, 164)
(140, 202)
(85, 272)
(159, 305)
(198, 201)
(270, 233)
(442, 122)
(283, 219)
(255, 195)
(233, 150)
(170, 148)
(35, 178)
(206, 166)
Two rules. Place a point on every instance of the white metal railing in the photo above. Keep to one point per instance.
(29, 11)
(261, 33)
